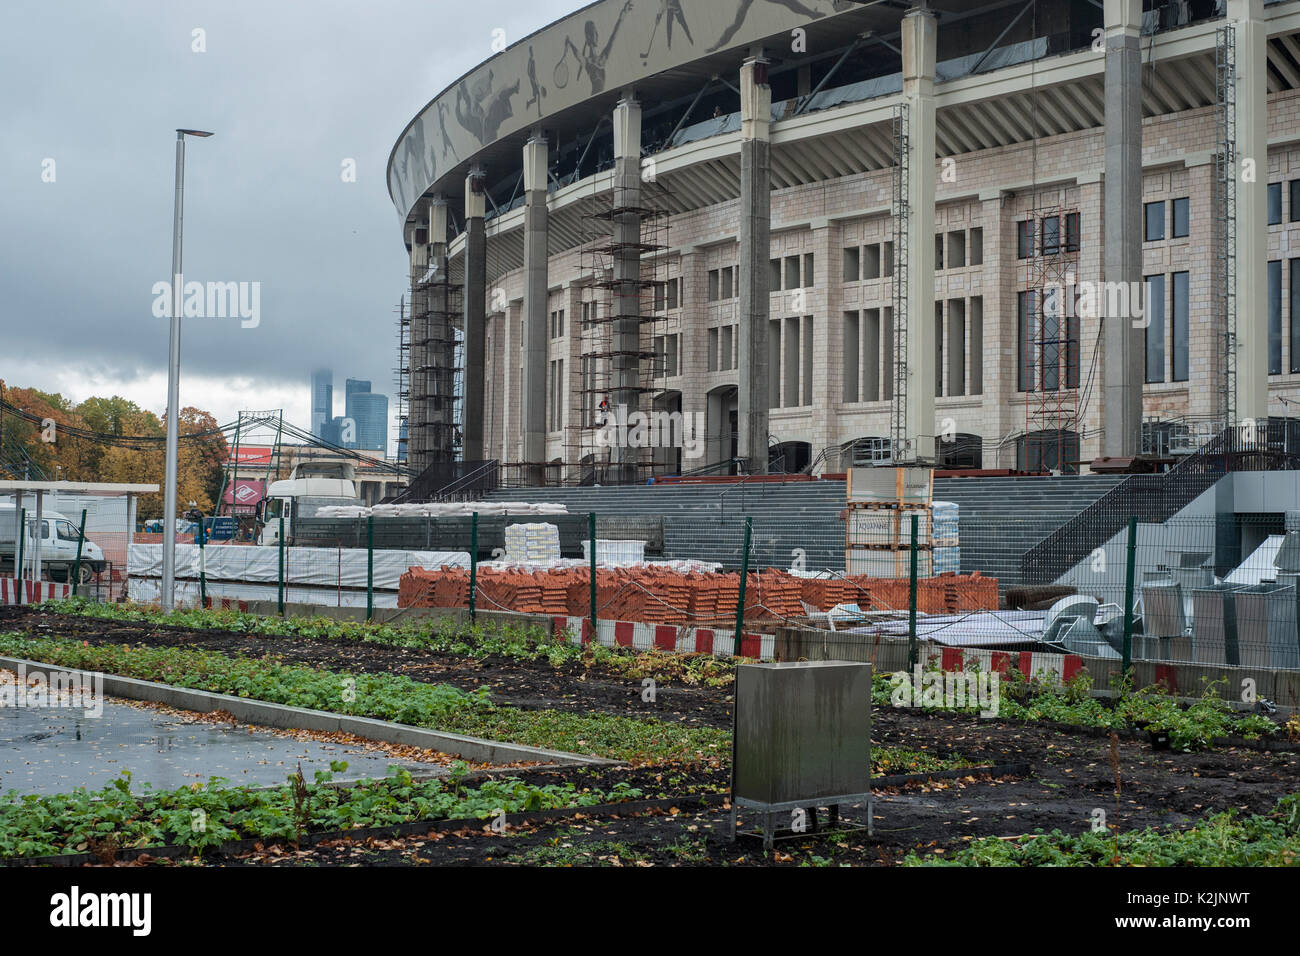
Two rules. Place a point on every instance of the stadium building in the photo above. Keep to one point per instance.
(663, 235)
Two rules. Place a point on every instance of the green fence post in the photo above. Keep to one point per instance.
(473, 566)
(22, 541)
(911, 594)
(591, 536)
(280, 590)
(744, 573)
(370, 567)
(76, 567)
(203, 565)
(1129, 570)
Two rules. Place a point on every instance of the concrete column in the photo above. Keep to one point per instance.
(919, 32)
(1123, 340)
(417, 430)
(440, 351)
(825, 304)
(753, 400)
(475, 318)
(626, 223)
(533, 397)
(1251, 36)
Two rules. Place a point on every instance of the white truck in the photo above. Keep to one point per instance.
(295, 498)
(58, 537)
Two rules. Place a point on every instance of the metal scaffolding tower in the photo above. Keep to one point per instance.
(1225, 62)
(898, 437)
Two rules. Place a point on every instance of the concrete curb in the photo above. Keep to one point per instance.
(284, 717)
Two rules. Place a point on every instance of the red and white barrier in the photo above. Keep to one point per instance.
(666, 637)
(32, 592)
(1058, 668)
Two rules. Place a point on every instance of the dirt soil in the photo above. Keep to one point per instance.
(1070, 774)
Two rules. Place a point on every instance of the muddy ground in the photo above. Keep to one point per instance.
(1070, 775)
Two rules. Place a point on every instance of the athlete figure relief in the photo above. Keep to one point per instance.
(672, 9)
(483, 123)
(538, 91)
(743, 10)
(591, 57)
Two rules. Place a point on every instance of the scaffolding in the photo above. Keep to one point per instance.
(402, 378)
(1225, 205)
(901, 209)
(1052, 340)
(623, 272)
(435, 376)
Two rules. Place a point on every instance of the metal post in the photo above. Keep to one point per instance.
(911, 595)
(174, 378)
(744, 573)
(173, 386)
(370, 567)
(473, 566)
(591, 536)
(201, 537)
(76, 566)
(280, 577)
(22, 542)
(1129, 570)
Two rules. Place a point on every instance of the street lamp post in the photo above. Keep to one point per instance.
(174, 380)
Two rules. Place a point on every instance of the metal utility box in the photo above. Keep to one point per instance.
(802, 737)
(1266, 626)
(1214, 624)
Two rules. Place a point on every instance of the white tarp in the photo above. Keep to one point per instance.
(443, 509)
(149, 591)
(325, 567)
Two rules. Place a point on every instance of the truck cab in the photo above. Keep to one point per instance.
(296, 498)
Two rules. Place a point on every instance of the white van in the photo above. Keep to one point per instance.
(58, 545)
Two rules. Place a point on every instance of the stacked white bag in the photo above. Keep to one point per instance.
(529, 543)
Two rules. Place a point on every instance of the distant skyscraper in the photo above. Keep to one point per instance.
(322, 400)
(369, 413)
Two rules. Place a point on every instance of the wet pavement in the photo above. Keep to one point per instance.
(56, 749)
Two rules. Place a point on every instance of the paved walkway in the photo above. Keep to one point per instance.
(54, 750)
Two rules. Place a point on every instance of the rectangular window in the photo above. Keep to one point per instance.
(774, 282)
(1155, 221)
(852, 349)
(1181, 223)
(887, 353)
(938, 349)
(661, 296)
(1051, 235)
(1155, 331)
(808, 359)
(1181, 321)
(852, 267)
(728, 347)
(1295, 314)
(957, 347)
(808, 271)
(728, 282)
(977, 345)
(714, 285)
(887, 263)
(674, 292)
(1274, 203)
(1024, 341)
(1025, 239)
(1072, 238)
(871, 357)
(1295, 200)
(1047, 339)
(956, 250)
(713, 350)
(790, 363)
(791, 272)
(871, 264)
(1275, 318)
(588, 383)
(938, 252)
(976, 257)
(673, 352)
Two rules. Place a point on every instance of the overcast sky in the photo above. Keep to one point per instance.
(292, 89)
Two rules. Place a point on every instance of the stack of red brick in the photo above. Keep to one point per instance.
(660, 596)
